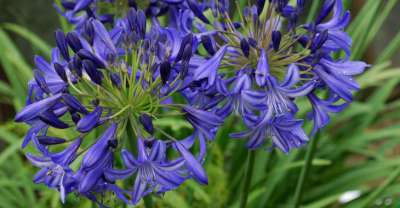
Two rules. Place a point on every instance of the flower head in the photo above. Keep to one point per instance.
(268, 59)
(108, 81)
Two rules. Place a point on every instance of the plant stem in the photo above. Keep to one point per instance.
(304, 171)
(313, 11)
(382, 188)
(247, 181)
(148, 202)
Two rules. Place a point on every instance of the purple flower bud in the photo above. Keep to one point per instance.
(34, 109)
(75, 117)
(193, 5)
(325, 11)
(46, 140)
(319, 40)
(41, 81)
(184, 70)
(252, 42)
(95, 75)
(113, 143)
(208, 44)
(75, 65)
(62, 44)
(74, 103)
(88, 31)
(68, 5)
(244, 45)
(187, 53)
(90, 121)
(141, 23)
(85, 54)
(165, 71)
(131, 17)
(187, 40)
(51, 119)
(74, 42)
(260, 6)
(116, 79)
(276, 39)
(81, 5)
(147, 123)
(61, 72)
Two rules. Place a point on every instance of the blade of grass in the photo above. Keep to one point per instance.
(390, 49)
(32, 38)
(377, 192)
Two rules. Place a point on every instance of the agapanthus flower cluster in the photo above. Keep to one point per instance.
(123, 68)
(266, 60)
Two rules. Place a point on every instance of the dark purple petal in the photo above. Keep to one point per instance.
(147, 123)
(165, 71)
(209, 44)
(90, 121)
(60, 70)
(276, 39)
(193, 5)
(73, 41)
(187, 40)
(52, 119)
(46, 140)
(31, 111)
(74, 103)
(245, 46)
(116, 79)
(81, 5)
(41, 81)
(95, 75)
(62, 44)
(85, 54)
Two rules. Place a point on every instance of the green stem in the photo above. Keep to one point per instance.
(313, 11)
(372, 197)
(304, 171)
(247, 181)
(148, 202)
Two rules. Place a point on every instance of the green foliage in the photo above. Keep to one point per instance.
(357, 151)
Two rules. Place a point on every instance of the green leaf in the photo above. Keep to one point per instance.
(391, 48)
(35, 40)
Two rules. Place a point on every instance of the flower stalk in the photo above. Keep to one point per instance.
(247, 175)
(305, 170)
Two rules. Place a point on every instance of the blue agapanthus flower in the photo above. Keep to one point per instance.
(122, 69)
(267, 60)
(109, 82)
(180, 13)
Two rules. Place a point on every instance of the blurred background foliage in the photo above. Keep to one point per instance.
(357, 162)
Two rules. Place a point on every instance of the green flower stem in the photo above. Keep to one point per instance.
(148, 201)
(372, 197)
(313, 10)
(304, 171)
(247, 181)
